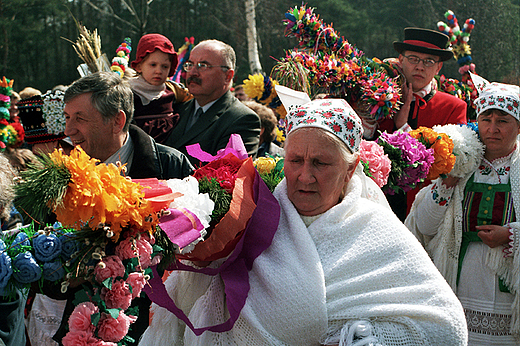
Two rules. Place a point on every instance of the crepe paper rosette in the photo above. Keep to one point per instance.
(375, 161)
(411, 161)
(442, 146)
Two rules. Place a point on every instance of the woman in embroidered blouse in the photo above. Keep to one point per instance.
(469, 227)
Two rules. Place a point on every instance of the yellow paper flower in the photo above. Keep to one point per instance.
(442, 145)
(99, 194)
(264, 165)
(254, 86)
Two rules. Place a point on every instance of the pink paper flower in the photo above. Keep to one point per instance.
(110, 329)
(125, 249)
(145, 252)
(379, 165)
(104, 343)
(79, 320)
(109, 267)
(119, 297)
(137, 281)
(131, 247)
(79, 338)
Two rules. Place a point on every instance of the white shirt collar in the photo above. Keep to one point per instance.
(124, 154)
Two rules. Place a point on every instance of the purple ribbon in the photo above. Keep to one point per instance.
(234, 272)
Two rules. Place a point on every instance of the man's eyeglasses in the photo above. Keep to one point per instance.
(413, 59)
(201, 66)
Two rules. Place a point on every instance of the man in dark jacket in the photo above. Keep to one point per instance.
(214, 114)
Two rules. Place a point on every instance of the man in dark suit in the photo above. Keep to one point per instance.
(214, 114)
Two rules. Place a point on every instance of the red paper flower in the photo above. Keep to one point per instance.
(224, 170)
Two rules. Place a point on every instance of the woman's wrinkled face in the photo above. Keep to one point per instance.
(315, 170)
(498, 131)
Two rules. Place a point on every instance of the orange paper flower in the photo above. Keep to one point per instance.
(99, 194)
(443, 150)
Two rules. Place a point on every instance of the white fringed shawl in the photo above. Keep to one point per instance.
(444, 247)
(357, 261)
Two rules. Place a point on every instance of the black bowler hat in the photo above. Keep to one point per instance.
(425, 41)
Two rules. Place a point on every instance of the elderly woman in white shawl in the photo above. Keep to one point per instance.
(469, 222)
(341, 269)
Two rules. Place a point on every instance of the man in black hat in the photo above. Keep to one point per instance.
(421, 56)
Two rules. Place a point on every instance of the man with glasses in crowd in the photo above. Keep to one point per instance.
(421, 56)
(214, 114)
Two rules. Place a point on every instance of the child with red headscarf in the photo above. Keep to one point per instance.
(155, 95)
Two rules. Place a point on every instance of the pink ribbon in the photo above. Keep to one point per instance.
(181, 226)
(235, 146)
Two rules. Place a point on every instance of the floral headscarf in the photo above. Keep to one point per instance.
(333, 115)
(505, 97)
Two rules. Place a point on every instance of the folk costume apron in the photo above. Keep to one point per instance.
(485, 298)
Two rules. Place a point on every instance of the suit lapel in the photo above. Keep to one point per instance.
(204, 122)
(177, 135)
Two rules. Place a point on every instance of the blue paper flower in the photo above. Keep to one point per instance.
(2, 245)
(69, 246)
(20, 240)
(46, 247)
(26, 268)
(5, 269)
(53, 271)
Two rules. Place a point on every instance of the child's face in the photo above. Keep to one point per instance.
(155, 67)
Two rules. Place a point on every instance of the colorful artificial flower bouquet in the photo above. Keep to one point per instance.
(111, 226)
(123, 229)
(411, 161)
(325, 62)
(242, 223)
(375, 161)
(442, 146)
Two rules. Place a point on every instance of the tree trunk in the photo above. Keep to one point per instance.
(252, 43)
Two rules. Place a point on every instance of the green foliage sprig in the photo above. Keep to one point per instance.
(43, 184)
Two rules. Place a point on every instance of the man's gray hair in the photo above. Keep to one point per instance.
(227, 52)
(110, 94)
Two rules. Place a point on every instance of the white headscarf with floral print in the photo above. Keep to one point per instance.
(505, 97)
(333, 115)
